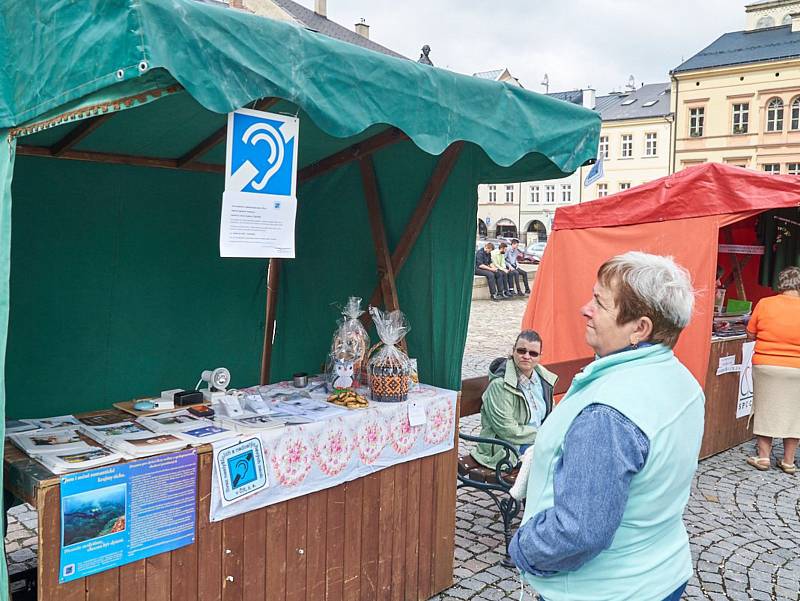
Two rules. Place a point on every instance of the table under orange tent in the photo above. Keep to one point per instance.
(685, 215)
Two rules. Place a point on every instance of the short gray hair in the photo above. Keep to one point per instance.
(650, 286)
(789, 279)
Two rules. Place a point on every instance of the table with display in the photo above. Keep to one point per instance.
(386, 534)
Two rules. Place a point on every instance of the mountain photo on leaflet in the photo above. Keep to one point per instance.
(94, 514)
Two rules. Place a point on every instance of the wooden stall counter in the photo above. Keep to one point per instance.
(723, 430)
(388, 535)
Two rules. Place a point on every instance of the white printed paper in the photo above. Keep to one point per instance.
(745, 402)
(416, 413)
(260, 199)
(728, 365)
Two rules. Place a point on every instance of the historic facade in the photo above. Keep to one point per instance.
(738, 100)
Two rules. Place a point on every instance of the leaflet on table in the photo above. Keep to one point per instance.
(58, 440)
(60, 421)
(72, 462)
(122, 513)
(179, 421)
(133, 440)
(13, 426)
(309, 409)
(206, 434)
(251, 422)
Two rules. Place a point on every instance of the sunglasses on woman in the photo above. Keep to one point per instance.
(522, 351)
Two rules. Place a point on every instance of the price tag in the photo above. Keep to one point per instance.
(416, 413)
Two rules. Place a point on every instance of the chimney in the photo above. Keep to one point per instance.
(321, 8)
(589, 98)
(362, 29)
(795, 22)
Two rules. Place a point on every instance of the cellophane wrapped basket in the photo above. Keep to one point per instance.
(389, 367)
(350, 343)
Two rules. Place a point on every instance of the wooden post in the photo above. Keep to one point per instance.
(424, 207)
(384, 257)
(273, 274)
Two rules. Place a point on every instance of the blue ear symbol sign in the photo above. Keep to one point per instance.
(264, 132)
(242, 466)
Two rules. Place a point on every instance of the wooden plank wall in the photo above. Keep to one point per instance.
(722, 429)
(387, 536)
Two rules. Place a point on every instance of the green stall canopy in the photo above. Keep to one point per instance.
(112, 115)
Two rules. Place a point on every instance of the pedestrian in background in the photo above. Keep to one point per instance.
(499, 261)
(775, 326)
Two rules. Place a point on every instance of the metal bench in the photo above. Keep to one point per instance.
(498, 482)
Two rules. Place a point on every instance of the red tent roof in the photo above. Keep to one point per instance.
(707, 189)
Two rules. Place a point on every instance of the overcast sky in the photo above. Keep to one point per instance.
(576, 42)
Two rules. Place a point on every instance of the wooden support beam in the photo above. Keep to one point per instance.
(424, 207)
(357, 151)
(273, 279)
(83, 129)
(118, 159)
(219, 136)
(384, 257)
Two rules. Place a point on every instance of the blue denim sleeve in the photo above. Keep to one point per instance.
(591, 491)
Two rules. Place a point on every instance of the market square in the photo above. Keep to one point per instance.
(295, 309)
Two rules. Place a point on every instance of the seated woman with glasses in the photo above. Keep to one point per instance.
(516, 402)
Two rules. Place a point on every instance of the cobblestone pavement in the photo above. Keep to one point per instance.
(743, 524)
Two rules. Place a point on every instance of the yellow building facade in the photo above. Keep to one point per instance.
(738, 101)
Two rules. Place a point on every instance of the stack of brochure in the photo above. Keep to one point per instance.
(62, 450)
(59, 463)
(50, 441)
(182, 424)
(133, 440)
(14, 426)
(250, 422)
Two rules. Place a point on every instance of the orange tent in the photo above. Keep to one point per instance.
(679, 215)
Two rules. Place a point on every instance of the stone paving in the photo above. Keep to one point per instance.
(743, 524)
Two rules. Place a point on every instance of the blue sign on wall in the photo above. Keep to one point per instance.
(114, 515)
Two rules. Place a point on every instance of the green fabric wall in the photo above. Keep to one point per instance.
(335, 246)
(117, 287)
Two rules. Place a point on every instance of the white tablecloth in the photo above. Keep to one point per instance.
(306, 458)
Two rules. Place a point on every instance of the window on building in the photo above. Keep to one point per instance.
(566, 192)
(492, 193)
(509, 193)
(549, 193)
(795, 113)
(627, 146)
(535, 194)
(650, 144)
(697, 119)
(602, 151)
(741, 117)
(775, 115)
(602, 190)
(772, 168)
(765, 21)
(793, 168)
(624, 186)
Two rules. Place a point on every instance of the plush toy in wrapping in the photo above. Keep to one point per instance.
(389, 367)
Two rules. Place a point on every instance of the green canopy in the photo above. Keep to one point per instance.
(112, 284)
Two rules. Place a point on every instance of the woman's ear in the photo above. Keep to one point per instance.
(642, 331)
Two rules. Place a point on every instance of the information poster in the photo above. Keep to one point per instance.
(121, 513)
(745, 401)
(260, 199)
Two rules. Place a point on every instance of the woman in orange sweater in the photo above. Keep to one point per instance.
(775, 326)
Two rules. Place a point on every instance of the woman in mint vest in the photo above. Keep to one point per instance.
(613, 464)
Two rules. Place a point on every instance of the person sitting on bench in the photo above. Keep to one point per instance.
(516, 402)
(496, 278)
(516, 271)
